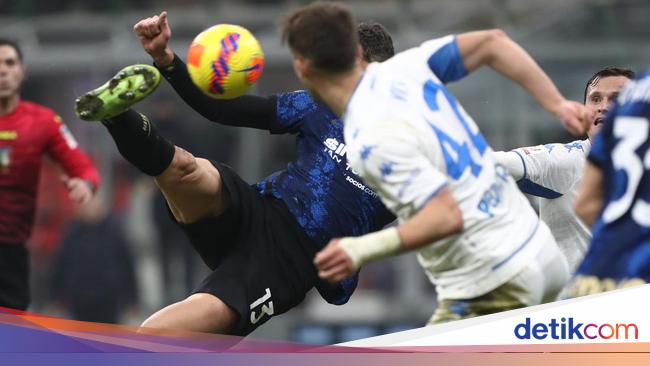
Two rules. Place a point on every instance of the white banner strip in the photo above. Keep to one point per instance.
(613, 317)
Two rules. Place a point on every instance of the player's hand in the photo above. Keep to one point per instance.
(333, 263)
(79, 190)
(154, 34)
(575, 117)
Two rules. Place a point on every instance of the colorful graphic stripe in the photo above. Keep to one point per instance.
(32, 339)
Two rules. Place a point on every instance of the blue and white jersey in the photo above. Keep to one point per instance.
(551, 174)
(319, 187)
(408, 137)
(620, 248)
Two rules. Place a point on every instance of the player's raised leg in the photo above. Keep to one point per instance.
(191, 186)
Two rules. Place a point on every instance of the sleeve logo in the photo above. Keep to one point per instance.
(67, 136)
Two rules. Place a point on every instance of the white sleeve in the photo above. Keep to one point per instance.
(400, 173)
(553, 166)
(512, 161)
(537, 160)
(443, 58)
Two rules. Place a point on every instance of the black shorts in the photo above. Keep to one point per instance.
(14, 276)
(261, 259)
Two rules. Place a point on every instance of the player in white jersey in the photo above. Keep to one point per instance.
(550, 173)
(479, 240)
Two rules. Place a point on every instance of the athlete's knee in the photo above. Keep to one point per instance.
(216, 315)
(184, 168)
(198, 313)
(184, 162)
(155, 321)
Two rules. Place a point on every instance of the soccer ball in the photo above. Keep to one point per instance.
(224, 61)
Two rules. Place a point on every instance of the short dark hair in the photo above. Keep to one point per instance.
(324, 33)
(376, 42)
(10, 43)
(607, 72)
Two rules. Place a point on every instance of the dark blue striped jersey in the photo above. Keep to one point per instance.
(620, 248)
(319, 187)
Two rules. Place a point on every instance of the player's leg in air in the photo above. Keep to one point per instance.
(192, 186)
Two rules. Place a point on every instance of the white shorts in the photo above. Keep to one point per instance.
(539, 282)
(543, 278)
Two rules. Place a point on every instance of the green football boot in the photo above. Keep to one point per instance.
(128, 87)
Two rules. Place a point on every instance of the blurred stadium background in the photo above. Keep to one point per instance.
(71, 46)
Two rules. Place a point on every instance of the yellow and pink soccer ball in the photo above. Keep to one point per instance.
(225, 60)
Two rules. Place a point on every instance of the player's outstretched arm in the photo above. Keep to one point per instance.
(439, 218)
(495, 49)
(154, 34)
(589, 201)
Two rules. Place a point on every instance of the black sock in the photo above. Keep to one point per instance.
(139, 142)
